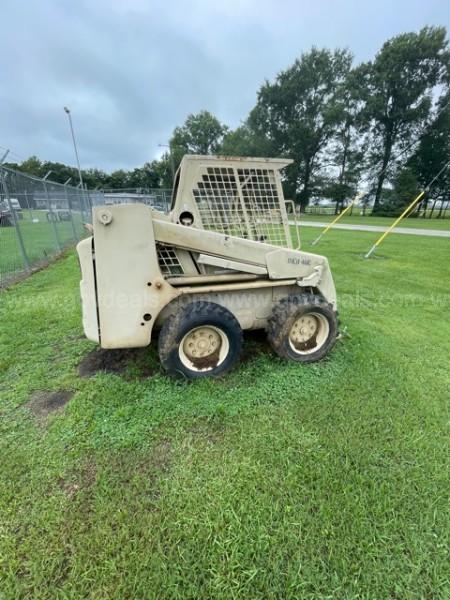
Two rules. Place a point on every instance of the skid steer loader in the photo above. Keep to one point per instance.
(220, 262)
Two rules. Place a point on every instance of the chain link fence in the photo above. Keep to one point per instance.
(159, 199)
(38, 219)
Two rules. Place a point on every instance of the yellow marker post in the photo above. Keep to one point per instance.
(395, 223)
(405, 212)
(330, 225)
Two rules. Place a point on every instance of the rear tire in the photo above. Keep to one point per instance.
(303, 328)
(202, 339)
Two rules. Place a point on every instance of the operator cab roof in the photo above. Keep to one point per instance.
(278, 163)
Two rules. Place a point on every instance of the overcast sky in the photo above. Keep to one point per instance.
(131, 70)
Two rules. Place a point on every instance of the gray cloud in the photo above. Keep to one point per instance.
(131, 70)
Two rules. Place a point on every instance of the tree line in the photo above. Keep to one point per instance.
(382, 126)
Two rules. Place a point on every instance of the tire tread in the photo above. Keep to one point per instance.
(284, 310)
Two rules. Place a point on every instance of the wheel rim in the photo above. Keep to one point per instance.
(308, 333)
(203, 348)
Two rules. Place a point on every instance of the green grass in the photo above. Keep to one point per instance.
(442, 224)
(279, 481)
(39, 239)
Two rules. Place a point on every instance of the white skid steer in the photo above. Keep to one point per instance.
(220, 262)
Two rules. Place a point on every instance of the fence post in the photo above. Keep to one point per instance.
(50, 214)
(69, 206)
(26, 262)
(28, 205)
(88, 203)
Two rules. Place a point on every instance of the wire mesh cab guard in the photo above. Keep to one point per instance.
(240, 197)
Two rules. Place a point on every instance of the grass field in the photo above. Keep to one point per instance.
(442, 224)
(279, 481)
(40, 240)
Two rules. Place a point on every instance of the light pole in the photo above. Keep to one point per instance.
(67, 111)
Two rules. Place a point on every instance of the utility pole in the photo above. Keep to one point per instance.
(69, 115)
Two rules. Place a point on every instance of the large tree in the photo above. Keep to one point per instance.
(405, 189)
(117, 179)
(201, 133)
(146, 176)
(244, 141)
(345, 153)
(298, 114)
(164, 169)
(32, 166)
(397, 88)
(433, 153)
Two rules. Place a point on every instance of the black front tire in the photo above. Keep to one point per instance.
(202, 339)
(294, 319)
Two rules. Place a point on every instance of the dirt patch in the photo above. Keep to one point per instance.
(255, 343)
(207, 362)
(139, 363)
(117, 361)
(305, 346)
(42, 403)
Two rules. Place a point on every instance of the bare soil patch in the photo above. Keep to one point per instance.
(116, 361)
(255, 343)
(43, 403)
(120, 361)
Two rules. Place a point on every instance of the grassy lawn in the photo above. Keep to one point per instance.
(39, 238)
(384, 221)
(279, 481)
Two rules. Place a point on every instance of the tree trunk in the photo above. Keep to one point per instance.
(422, 207)
(304, 194)
(432, 209)
(388, 143)
(345, 148)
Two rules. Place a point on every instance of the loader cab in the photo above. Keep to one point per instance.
(236, 196)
